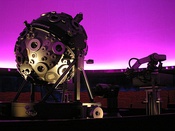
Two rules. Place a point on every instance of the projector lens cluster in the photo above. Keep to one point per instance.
(46, 47)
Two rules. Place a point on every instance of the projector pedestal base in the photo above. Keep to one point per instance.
(51, 110)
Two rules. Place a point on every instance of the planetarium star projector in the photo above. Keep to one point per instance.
(48, 45)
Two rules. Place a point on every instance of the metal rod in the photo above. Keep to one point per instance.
(87, 84)
(20, 90)
(57, 82)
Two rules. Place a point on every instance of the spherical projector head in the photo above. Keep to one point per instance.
(47, 45)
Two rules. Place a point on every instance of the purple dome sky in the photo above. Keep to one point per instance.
(117, 29)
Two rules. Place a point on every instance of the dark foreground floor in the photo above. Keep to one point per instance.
(165, 122)
(57, 120)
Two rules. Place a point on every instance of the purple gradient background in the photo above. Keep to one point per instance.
(117, 29)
